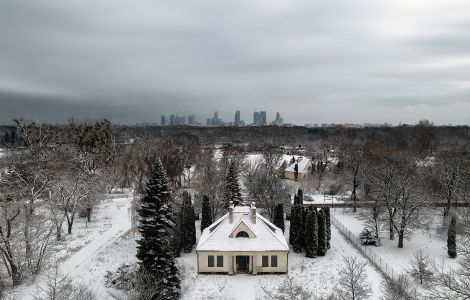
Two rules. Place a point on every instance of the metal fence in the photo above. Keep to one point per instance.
(368, 251)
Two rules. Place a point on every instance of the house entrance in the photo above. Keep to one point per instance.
(243, 263)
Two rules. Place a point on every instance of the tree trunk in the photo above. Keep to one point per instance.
(401, 234)
(392, 232)
(15, 274)
(354, 193)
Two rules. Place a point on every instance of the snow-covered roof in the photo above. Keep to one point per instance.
(268, 237)
(303, 163)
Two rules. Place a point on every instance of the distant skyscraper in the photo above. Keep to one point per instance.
(278, 120)
(162, 120)
(172, 120)
(256, 120)
(237, 118)
(191, 120)
(208, 122)
(262, 117)
(215, 119)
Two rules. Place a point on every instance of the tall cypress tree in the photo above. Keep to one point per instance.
(296, 230)
(157, 226)
(322, 238)
(451, 238)
(328, 227)
(311, 233)
(188, 228)
(206, 218)
(279, 216)
(232, 186)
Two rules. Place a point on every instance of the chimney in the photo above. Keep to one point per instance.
(253, 212)
(230, 212)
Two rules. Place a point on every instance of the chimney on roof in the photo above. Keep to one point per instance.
(253, 212)
(230, 212)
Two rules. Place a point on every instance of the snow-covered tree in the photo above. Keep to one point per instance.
(451, 238)
(353, 283)
(206, 216)
(279, 216)
(232, 186)
(157, 226)
(322, 238)
(311, 232)
(328, 227)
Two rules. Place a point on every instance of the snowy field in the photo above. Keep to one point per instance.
(430, 242)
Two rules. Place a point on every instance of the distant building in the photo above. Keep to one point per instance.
(262, 117)
(302, 165)
(237, 118)
(162, 120)
(191, 120)
(172, 120)
(208, 122)
(256, 118)
(278, 121)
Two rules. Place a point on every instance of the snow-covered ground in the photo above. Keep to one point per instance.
(92, 249)
(319, 275)
(430, 242)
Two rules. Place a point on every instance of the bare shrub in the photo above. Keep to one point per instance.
(353, 284)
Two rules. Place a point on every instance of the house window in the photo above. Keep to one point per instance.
(265, 261)
(242, 234)
(210, 261)
(220, 261)
(274, 261)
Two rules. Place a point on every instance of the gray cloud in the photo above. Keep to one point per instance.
(313, 61)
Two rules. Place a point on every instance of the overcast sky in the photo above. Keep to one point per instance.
(313, 61)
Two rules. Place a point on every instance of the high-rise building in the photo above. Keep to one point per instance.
(191, 120)
(172, 120)
(278, 121)
(162, 120)
(262, 117)
(256, 120)
(215, 120)
(237, 118)
(208, 122)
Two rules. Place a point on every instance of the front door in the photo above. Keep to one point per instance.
(243, 264)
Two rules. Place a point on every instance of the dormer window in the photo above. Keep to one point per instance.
(242, 234)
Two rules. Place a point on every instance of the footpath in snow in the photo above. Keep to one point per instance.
(85, 265)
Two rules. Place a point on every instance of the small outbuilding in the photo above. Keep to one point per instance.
(242, 241)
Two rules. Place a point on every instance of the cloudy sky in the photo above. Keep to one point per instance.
(313, 61)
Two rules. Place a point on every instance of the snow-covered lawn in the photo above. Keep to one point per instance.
(432, 243)
(93, 248)
(319, 275)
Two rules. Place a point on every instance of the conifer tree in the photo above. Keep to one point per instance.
(279, 216)
(188, 228)
(328, 227)
(451, 238)
(311, 233)
(206, 218)
(296, 228)
(157, 226)
(322, 238)
(232, 186)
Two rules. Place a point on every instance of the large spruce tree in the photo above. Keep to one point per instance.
(279, 216)
(311, 233)
(322, 238)
(232, 186)
(206, 215)
(451, 238)
(328, 226)
(296, 228)
(157, 227)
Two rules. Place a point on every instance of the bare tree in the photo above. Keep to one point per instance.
(289, 289)
(264, 184)
(353, 284)
(399, 289)
(420, 268)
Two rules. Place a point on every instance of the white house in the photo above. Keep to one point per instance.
(242, 241)
(303, 165)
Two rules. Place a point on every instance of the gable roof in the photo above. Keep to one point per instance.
(268, 236)
(303, 163)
